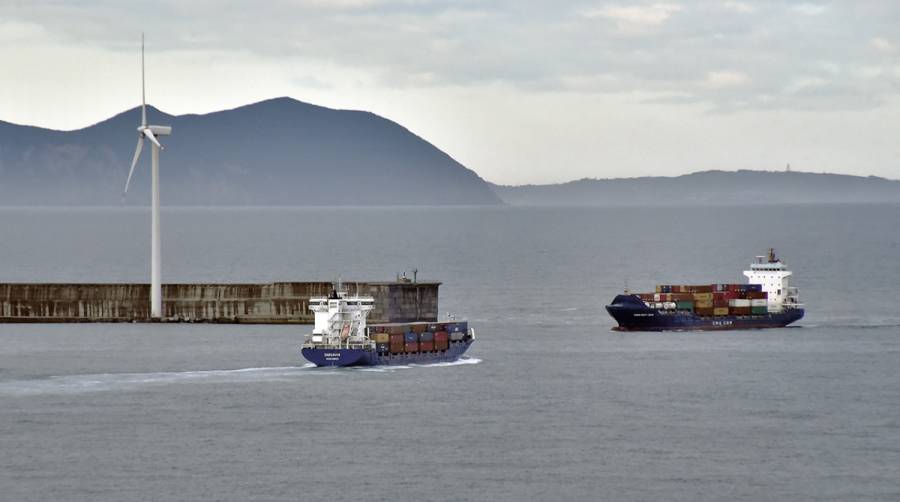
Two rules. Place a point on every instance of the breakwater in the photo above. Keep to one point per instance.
(266, 303)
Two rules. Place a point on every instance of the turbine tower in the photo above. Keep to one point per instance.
(150, 132)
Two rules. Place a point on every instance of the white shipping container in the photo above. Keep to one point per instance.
(739, 302)
(656, 297)
(759, 303)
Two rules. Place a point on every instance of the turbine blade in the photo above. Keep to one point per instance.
(152, 137)
(137, 154)
(143, 87)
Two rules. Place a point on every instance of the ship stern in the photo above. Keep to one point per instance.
(337, 357)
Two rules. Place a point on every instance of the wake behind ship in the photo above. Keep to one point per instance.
(342, 338)
(767, 301)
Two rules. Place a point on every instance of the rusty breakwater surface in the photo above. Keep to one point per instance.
(266, 303)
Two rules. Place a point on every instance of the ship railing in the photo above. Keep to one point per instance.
(325, 345)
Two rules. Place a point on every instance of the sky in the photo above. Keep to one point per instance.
(519, 91)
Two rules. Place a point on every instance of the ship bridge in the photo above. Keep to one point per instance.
(774, 277)
(340, 318)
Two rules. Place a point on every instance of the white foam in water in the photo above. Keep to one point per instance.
(458, 362)
(380, 369)
(102, 382)
(125, 381)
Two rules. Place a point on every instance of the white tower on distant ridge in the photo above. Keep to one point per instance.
(150, 132)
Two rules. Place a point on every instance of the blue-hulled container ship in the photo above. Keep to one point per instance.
(766, 301)
(341, 336)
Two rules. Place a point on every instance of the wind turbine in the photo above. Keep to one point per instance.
(150, 132)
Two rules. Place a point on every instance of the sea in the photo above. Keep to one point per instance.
(550, 404)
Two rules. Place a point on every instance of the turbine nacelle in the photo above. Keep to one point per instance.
(151, 132)
(156, 129)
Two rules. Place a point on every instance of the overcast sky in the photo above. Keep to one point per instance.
(520, 91)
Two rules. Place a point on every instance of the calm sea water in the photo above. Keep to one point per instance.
(551, 405)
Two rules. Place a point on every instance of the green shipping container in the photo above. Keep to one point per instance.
(684, 305)
(759, 310)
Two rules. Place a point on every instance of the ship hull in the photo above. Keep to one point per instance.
(371, 357)
(633, 315)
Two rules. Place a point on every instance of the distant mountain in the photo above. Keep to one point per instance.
(708, 188)
(276, 152)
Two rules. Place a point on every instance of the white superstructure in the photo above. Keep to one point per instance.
(773, 275)
(340, 320)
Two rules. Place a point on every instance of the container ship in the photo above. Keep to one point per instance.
(341, 337)
(766, 301)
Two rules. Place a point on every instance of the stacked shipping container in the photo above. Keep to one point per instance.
(417, 337)
(709, 300)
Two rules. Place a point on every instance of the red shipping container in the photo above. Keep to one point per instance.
(426, 346)
(397, 348)
(441, 340)
(412, 347)
(397, 339)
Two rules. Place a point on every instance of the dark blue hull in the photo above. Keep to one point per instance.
(633, 315)
(371, 357)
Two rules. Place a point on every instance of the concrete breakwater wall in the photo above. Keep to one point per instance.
(272, 303)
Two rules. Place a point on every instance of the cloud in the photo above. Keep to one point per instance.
(882, 45)
(699, 52)
(636, 17)
(12, 31)
(338, 4)
(803, 84)
(809, 9)
(725, 78)
(741, 7)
